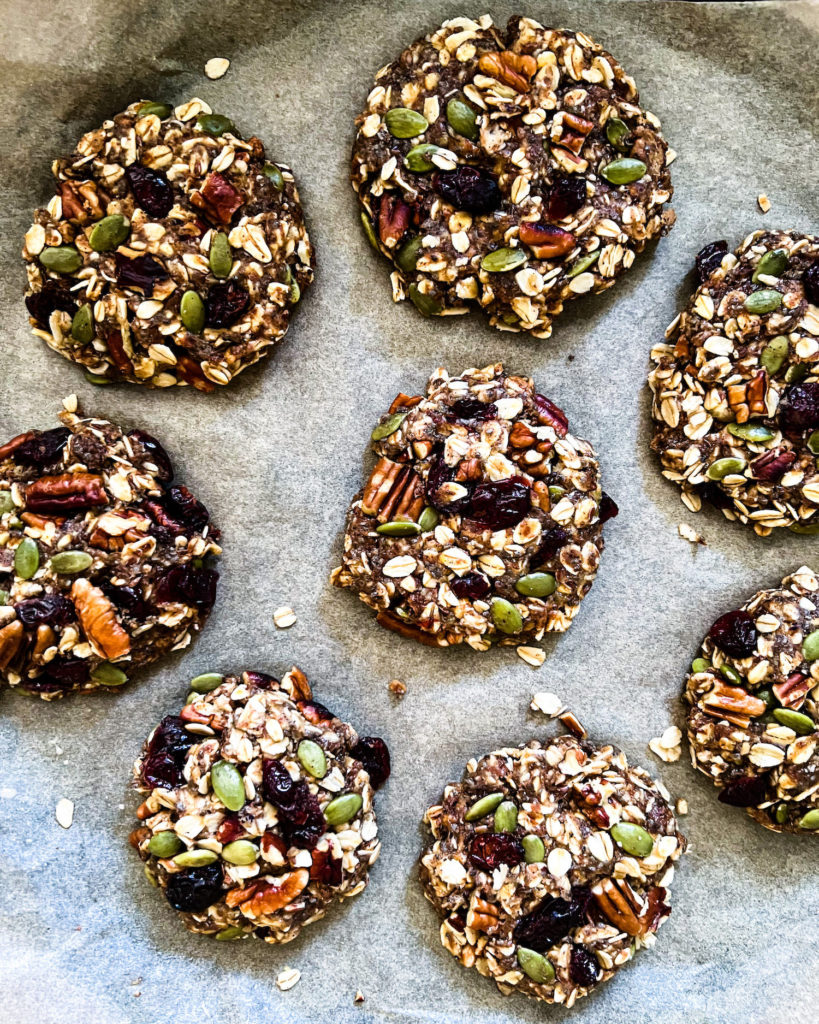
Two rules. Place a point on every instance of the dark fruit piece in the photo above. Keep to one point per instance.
(156, 454)
(551, 541)
(471, 587)
(472, 409)
(467, 188)
(314, 712)
(440, 473)
(772, 466)
(260, 680)
(374, 755)
(608, 508)
(43, 449)
(325, 868)
(67, 673)
(183, 507)
(810, 281)
(735, 634)
(744, 791)
(583, 967)
(715, 495)
(231, 829)
(393, 219)
(139, 272)
(222, 199)
(566, 197)
(165, 755)
(51, 296)
(152, 190)
(551, 921)
(52, 610)
(501, 504)
(186, 585)
(225, 303)
(799, 409)
(551, 415)
(300, 817)
(488, 850)
(127, 599)
(709, 258)
(196, 889)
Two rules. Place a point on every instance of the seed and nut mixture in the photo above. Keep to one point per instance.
(482, 519)
(753, 696)
(516, 171)
(102, 556)
(259, 806)
(736, 386)
(172, 253)
(550, 866)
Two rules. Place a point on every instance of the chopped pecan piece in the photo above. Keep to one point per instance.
(393, 490)
(297, 684)
(389, 621)
(190, 714)
(68, 492)
(393, 220)
(116, 348)
(619, 905)
(521, 436)
(99, 620)
(514, 70)
(402, 401)
(189, 370)
(40, 522)
(11, 636)
(45, 638)
(791, 694)
(545, 240)
(81, 201)
(772, 465)
(468, 469)
(757, 389)
(266, 897)
(482, 916)
(571, 132)
(218, 199)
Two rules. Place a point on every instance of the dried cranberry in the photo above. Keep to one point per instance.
(231, 828)
(551, 415)
(583, 966)
(127, 599)
(467, 188)
(551, 921)
(300, 817)
(68, 673)
(43, 449)
(325, 868)
(744, 791)
(151, 188)
(772, 466)
(439, 474)
(171, 735)
(566, 197)
(165, 755)
(715, 495)
(160, 771)
(184, 508)
(799, 408)
(501, 503)
(157, 454)
(194, 890)
(373, 753)
(52, 296)
(51, 610)
(488, 850)
(226, 302)
(260, 680)
(187, 585)
(139, 272)
(810, 281)
(471, 587)
(551, 541)
(735, 634)
(709, 258)
(608, 508)
(473, 409)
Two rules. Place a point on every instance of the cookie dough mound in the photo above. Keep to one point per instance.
(516, 171)
(482, 519)
(101, 557)
(172, 253)
(753, 720)
(259, 808)
(550, 866)
(736, 386)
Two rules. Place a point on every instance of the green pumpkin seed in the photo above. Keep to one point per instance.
(6, 502)
(633, 838)
(369, 230)
(623, 170)
(805, 529)
(192, 312)
(150, 876)
(535, 966)
(108, 674)
(462, 119)
(724, 467)
(700, 665)
(796, 374)
(810, 645)
(774, 354)
(772, 264)
(750, 431)
(109, 233)
(195, 858)
(766, 300)
(342, 809)
(419, 158)
(801, 724)
(95, 378)
(388, 426)
(295, 292)
(428, 305)
(62, 259)
(4, 597)
(813, 442)
(506, 817)
(70, 562)
(407, 255)
(26, 558)
(428, 519)
(274, 175)
(220, 257)
(240, 851)
(533, 849)
(312, 759)
(506, 616)
(165, 844)
(160, 110)
(403, 123)
(227, 783)
(536, 584)
(206, 682)
(583, 263)
(617, 132)
(810, 820)
(781, 814)
(556, 493)
(501, 260)
(229, 934)
(215, 124)
(82, 326)
(484, 806)
(767, 696)
(731, 675)
(399, 528)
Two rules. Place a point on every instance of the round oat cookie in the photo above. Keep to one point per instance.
(514, 170)
(550, 866)
(482, 519)
(172, 253)
(259, 807)
(736, 387)
(101, 556)
(753, 719)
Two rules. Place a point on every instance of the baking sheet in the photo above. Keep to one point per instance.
(276, 458)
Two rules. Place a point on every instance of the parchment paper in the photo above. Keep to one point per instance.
(277, 456)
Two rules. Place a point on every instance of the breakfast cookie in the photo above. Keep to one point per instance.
(259, 807)
(550, 866)
(514, 170)
(736, 386)
(753, 720)
(482, 519)
(101, 556)
(172, 253)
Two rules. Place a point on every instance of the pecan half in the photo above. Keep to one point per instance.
(393, 490)
(266, 897)
(619, 904)
(68, 492)
(572, 131)
(218, 199)
(733, 703)
(521, 436)
(772, 465)
(482, 916)
(791, 694)
(99, 620)
(545, 240)
(11, 636)
(11, 446)
(393, 220)
(514, 70)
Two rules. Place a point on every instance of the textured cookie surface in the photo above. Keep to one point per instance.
(736, 386)
(753, 696)
(101, 556)
(482, 519)
(172, 253)
(511, 170)
(258, 812)
(550, 866)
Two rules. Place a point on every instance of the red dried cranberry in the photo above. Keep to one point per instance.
(566, 197)
(183, 507)
(160, 771)
(187, 585)
(260, 680)
(226, 302)
(467, 188)
(551, 541)
(744, 791)
(127, 599)
(471, 587)
(735, 634)
(372, 752)
(799, 409)
(709, 258)
(440, 473)
(501, 503)
(583, 966)
(52, 296)
(231, 828)
(151, 188)
(300, 817)
(67, 673)
(550, 414)
(43, 449)
(325, 868)
(157, 454)
(551, 921)
(488, 850)
(194, 890)
(51, 610)
(608, 508)
(171, 735)
(165, 755)
(810, 281)
(140, 272)
(473, 409)
(772, 466)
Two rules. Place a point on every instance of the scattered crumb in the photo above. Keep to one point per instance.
(57, 748)
(548, 703)
(572, 724)
(70, 403)
(359, 996)
(64, 812)
(667, 747)
(533, 656)
(7, 793)
(763, 202)
(682, 806)
(690, 534)
(216, 67)
(287, 978)
(284, 617)
(670, 156)
(397, 688)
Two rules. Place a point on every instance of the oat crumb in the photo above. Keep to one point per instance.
(284, 617)
(763, 202)
(690, 534)
(533, 656)
(287, 978)
(216, 67)
(70, 403)
(64, 812)
(359, 996)
(548, 703)
(667, 747)
(682, 806)
(397, 688)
